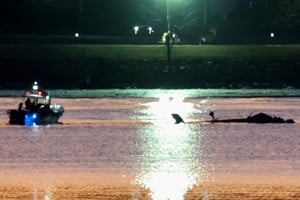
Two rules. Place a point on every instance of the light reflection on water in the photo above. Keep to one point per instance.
(164, 157)
(46, 193)
(171, 162)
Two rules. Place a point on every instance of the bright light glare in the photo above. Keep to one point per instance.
(163, 109)
(76, 35)
(272, 35)
(150, 29)
(136, 29)
(170, 164)
(168, 185)
(35, 86)
(163, 38)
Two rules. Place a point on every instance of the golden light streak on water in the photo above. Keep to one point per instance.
(162, 109)
(169, 164)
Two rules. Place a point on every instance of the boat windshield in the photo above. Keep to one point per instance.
(38, 100)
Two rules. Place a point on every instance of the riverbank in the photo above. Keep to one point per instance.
(145, 66)
(145, 52)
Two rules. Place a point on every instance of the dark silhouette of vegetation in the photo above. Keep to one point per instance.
(255, 23)
(191, 19)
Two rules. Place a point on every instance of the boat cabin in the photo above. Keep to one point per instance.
(36, 98)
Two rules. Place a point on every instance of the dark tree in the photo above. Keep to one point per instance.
(253, 23)
(286, 18)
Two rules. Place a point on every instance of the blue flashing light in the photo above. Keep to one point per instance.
(31, 119)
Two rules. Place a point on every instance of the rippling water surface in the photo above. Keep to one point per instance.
(133, 139)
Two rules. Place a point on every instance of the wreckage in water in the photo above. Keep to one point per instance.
(260, 118)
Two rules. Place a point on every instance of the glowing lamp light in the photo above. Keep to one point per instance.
(35, 86)
(77, 35)
(150, 29)
(136, 29)
(272, 35)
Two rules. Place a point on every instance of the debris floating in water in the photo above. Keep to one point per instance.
(258, 118)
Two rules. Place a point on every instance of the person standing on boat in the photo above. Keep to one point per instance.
(20, 106)
(28, 104)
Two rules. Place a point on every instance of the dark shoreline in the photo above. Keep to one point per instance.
(106, 73)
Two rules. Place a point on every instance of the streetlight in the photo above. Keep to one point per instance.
(168, 36)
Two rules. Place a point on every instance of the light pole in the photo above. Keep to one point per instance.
(168, 36)
(168, 15)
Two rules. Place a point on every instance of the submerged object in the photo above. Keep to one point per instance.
(258, 118)
(37, 110)
(177, 118)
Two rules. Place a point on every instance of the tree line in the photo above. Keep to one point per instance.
(232, 21)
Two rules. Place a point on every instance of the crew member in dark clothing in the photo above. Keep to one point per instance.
(28, 104)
